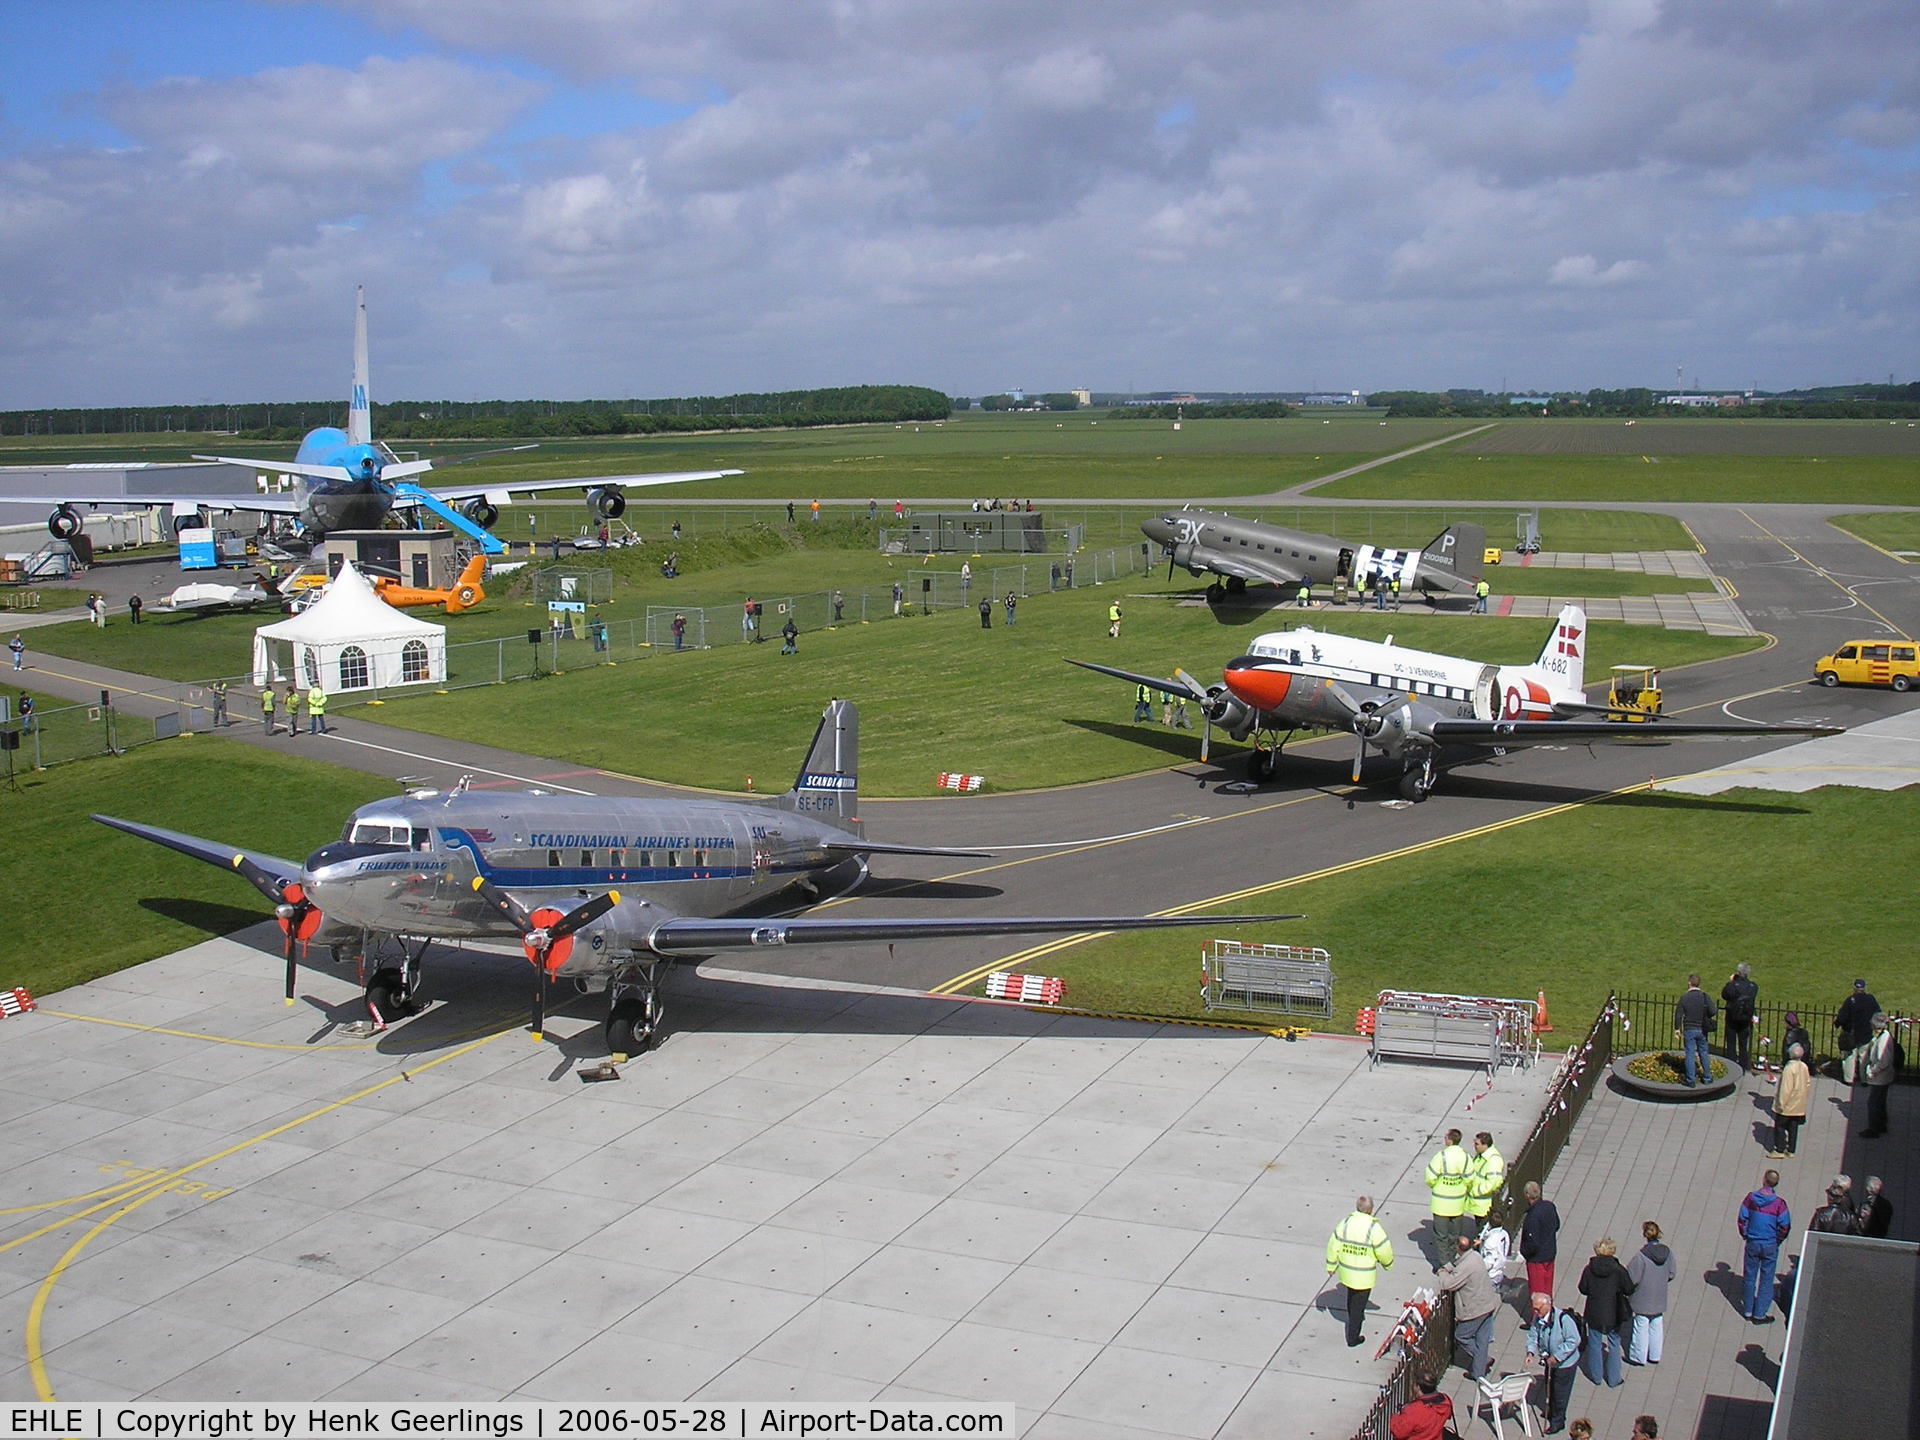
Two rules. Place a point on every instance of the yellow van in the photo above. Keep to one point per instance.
(1871, 662)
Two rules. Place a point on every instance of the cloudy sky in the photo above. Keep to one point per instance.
(667, 197)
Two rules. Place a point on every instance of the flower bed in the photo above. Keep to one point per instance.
(1662, 1074)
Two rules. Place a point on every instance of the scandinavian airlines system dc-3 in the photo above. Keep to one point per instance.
(349, 482)
(601, 890)
(1410, 704)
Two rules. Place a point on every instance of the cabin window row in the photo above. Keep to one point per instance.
(641, 859)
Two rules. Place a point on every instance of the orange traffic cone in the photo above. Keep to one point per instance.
(1541, 1024)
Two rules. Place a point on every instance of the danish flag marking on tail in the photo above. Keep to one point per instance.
(1569, 640)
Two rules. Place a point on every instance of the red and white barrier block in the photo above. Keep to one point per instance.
(16, 1001)
(1030, 989)
(947, 780)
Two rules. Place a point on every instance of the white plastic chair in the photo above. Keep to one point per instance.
(1509, 1390)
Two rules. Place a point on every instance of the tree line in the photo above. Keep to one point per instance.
(497, 419)
(1852, 402)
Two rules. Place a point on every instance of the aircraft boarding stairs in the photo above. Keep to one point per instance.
(428, 500)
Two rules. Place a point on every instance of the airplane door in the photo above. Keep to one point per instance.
(1344, 566)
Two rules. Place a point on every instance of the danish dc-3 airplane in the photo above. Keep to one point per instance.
(348, 481)
(601, 890)
(1412, 704)
(1249, 552)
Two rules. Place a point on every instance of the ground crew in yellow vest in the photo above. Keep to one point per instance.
(317, 711)
(1447, 1179)
(266, 708)
(1305, 597)
(1357, 1251)
(1394, 585)
(1113, 619)
(1486, 1177)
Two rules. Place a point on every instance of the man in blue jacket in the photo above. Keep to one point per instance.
(1764, 1222)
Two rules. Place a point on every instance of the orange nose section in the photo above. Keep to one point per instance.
(1256, 685)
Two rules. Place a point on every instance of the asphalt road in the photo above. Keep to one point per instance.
(1184, 835)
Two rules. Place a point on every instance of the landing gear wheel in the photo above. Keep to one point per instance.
(1236, 585)
(1415, 786)
(631, 1028)
(1216, 592)
(387, 994)
(1261, 764)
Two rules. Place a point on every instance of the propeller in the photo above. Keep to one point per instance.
(1200, 695)
(299, 917)
(545, 933)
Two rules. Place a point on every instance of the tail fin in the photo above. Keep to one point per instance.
(1563, 658)
(359, 417)
(1460, 550)
(828, 785)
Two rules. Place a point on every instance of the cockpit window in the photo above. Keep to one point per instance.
(382, 832)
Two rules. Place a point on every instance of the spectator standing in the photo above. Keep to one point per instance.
(816, 512)
(899, 511)
(1427, 1416)
(873, 511)
(1012, 601)
(1796, 1034)
(1539, 1239)
(1645, 1427)
(789, 638)
(1790, 1094)
(1447, 1181)
(839, 606)
(789, 512)
(1836, 1217)
(1609, 1291)
(1883, 1068)
(1876, 1210)
(19, 649)
(679, 628)
(1763, 1222)
(1474, 1305)
(1554, 1336)
(1069, 572)
(1651, 1270)
(986, 612)
(1693, 1017)
(1742, 997)
(1486, 1178)
(219, 692)
(26, 714)
(966, 576)
(1854, 1024)
(134, 607)
(1357, 1251)
(676, 532)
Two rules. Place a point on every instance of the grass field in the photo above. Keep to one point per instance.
(1889, 529)
(1563, 903)
(1636, 479)
(939, 693)
(82, 900)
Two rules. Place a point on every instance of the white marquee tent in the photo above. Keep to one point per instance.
(351, 639)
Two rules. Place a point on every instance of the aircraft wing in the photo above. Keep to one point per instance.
(211, 851)
(875, 847)
(287, 503)
(1516, 734)
(1182, 684)
(497, 491)
(1248, 567)
(690, 935)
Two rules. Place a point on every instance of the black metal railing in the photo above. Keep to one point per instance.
(1645, 1022)
(1580, 1073)
(1431, 1351)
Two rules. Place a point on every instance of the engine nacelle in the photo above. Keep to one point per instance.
(1402, 724)
(482, 511)
(1229, 712)
(607, 503)
(65, 523)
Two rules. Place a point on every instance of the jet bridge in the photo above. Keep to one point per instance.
(406, 489)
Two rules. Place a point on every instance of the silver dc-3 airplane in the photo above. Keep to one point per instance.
(347, 481)
(601, 889)
(1409, 705)
(1249, 552)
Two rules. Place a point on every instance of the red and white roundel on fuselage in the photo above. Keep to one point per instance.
(1524, 699)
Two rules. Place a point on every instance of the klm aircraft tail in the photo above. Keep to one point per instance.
(1459, 550)
(828, 785)
(359, 417)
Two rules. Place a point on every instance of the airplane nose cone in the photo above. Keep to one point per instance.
(1255, 684)
(1157, 530)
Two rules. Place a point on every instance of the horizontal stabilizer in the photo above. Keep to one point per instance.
(691, 935)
